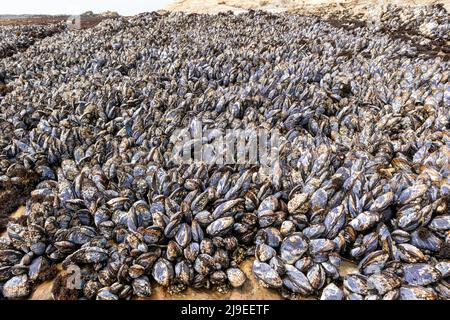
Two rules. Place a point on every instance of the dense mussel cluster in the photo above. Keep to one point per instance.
(14, 38)
(430, 22)
(363, 173)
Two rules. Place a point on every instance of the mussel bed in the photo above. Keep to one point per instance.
(87, 122)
